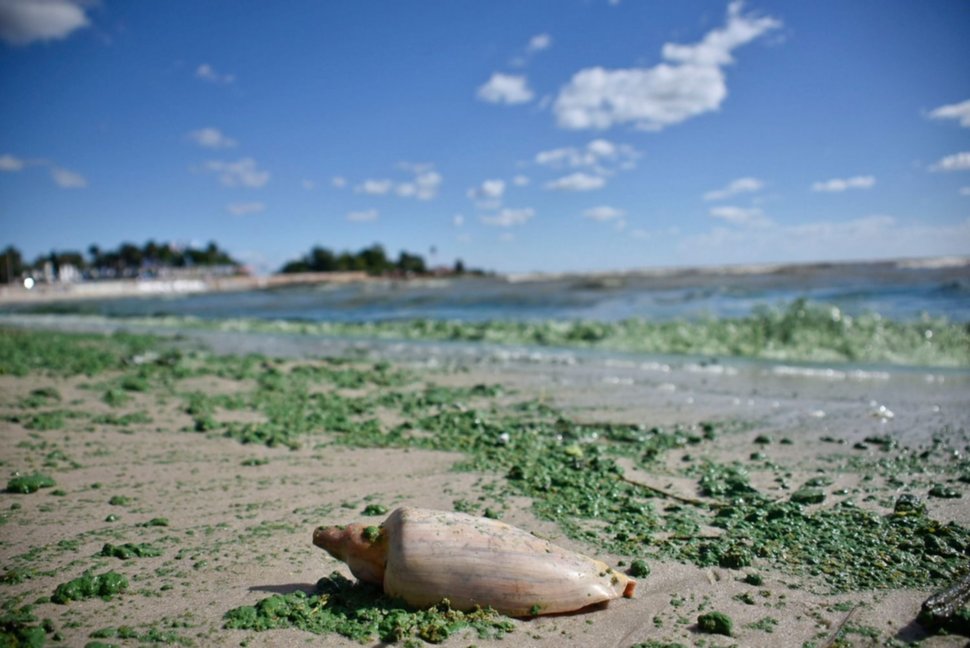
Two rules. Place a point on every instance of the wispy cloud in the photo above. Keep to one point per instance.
(604, 213)
(689, 83)
(877, 236)
(508, 217)
(25, 21)
(241, 173)
(741, 185)
(11, 164)
(67, 179)
(578, 181)
(836, 185)
(539, 42)
(739, 215)
(211, 138)
(245, 208)
(506, 89)
(208, 73)
(63, 178)
(521, 180)
(424, 185)
(488, 194)
(959, 111)
(601, 155)
(375, 187)
(955, 162)
(338, 182)
(366, 216)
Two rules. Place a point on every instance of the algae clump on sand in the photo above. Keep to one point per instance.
(90, 585)
(361, 612)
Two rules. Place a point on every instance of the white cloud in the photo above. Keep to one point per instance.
(366, 216)
(741, 185)
(539, 42)
(241, 173)
(11, 163)
(489, 193)
(740, 215)
(308, 185)
(604, 213)
(423, 186)
(244, 208)
(375, 187)
(24, 21)
(577, 182)
(339, 182)
(458, 220)
(960, 111)
(598, 154)
(506, 88)
(208, 73)
(509, 217)
(965, 191)
(211, 138)
(64, 178)
(955, 162)
(690, 83)
(843, 184)
(67, 179)
(520, 180)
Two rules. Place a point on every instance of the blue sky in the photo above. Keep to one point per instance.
(546, 135)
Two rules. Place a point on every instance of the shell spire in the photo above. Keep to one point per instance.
(363, 548)
(424, 556)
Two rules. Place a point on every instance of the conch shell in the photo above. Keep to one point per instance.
(424, 556)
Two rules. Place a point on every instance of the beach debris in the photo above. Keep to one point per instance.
(949, 609)
(425, 556)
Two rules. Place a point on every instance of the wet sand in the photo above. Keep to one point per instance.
(239, 517)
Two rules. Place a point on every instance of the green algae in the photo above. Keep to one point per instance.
(374, 509)
(639, 568)
(90, 585)
(715, 623)
(361, 612)
(26, 484)
(570, 472)
(65, 354)
(17, 628)
(800, 331)
(129, 550)
(41, 397)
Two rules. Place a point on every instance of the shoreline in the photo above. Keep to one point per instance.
(239, 510)
(125, 288)
(122, 288)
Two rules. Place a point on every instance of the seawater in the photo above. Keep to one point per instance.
(902, 291)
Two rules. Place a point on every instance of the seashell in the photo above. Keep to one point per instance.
(424, 556)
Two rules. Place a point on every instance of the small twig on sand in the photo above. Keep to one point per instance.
(835, 635)
(675, 496)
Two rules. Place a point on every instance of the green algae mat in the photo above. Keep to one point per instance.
(874, 536)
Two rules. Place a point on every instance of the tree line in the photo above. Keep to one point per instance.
(127, 260)
(373, 260)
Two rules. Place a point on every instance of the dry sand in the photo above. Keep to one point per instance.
(237, 533)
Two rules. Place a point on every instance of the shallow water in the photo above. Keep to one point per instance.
(893, 290)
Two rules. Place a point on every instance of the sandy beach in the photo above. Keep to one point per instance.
(146, 449)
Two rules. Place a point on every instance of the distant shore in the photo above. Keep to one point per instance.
(117, 288)
(668, 275)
